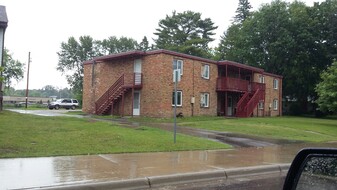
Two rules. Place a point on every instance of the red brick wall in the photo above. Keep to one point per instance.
(270, 95)
(105, 74)
(158, 95)
(87, 90)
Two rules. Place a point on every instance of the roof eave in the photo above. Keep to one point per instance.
(240, 65)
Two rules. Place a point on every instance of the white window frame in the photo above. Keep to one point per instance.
(178, 64)
(179, 100)
(261, 78)
(204, 100)
(261, 105)
(205, 71)
(275, 104)
(275, 84)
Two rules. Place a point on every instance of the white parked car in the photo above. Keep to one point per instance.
(63, 103)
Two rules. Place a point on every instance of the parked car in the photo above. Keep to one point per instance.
(63, 103)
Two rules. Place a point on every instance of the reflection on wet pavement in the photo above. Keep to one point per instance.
(61, 112)
(37, 172)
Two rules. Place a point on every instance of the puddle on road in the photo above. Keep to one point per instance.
(41, 172)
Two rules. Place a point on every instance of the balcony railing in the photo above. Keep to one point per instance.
(133, 80)
(232, 84)
(260, 86)
(237, 85)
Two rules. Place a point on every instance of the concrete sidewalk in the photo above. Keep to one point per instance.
(152, 168)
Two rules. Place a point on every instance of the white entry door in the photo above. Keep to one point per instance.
(137, 69)
(230, 106)
(136, 103)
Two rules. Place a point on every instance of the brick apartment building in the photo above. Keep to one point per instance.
(141, 83)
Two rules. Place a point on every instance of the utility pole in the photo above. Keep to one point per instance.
(27, 79)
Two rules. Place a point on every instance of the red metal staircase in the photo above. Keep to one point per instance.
(249, 101)
(240, 110)
(116, 91)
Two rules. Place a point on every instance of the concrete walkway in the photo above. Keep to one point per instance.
(156, 168)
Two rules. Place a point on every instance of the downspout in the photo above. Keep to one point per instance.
(225, 110)
(264, 97)
(193, 97)
(93, 86)
(93, 73)
(280, 98)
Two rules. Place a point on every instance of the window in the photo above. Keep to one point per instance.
(178, 64)
(205, 71)
(261, 105)
(261, 79)
(204, 100)
(179, 98)
(275, 84)
(66, 101)
(275, 104)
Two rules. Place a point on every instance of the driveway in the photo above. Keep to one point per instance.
(47, 112)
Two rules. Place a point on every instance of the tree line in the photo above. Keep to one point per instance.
(45, 92)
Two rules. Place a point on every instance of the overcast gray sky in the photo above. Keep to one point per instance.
(39, 26)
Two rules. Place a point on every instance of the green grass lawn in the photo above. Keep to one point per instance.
(293, 128)
(24, 135)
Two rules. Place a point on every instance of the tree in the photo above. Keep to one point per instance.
(72, 55)
(186, 33)
(144, 44)
(289, 39)
(327, 89)
(48, 91)
(13, 69)
(117, 45)
(231, 46)
(242, 12)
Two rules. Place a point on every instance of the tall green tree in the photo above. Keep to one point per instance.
(117, 45)
(327, 89)
(185, 32)
(242, 12)
(71, 56)
(289, 39)
(144, 44)
(13, 69)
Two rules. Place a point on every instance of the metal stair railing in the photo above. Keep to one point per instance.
(107, 98)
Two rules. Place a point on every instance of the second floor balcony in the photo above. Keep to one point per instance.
(237, 85)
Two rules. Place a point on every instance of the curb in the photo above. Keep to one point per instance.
(155, 181)
(122, 184)
(186, 177)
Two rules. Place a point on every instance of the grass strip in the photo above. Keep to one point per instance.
(25, 135)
